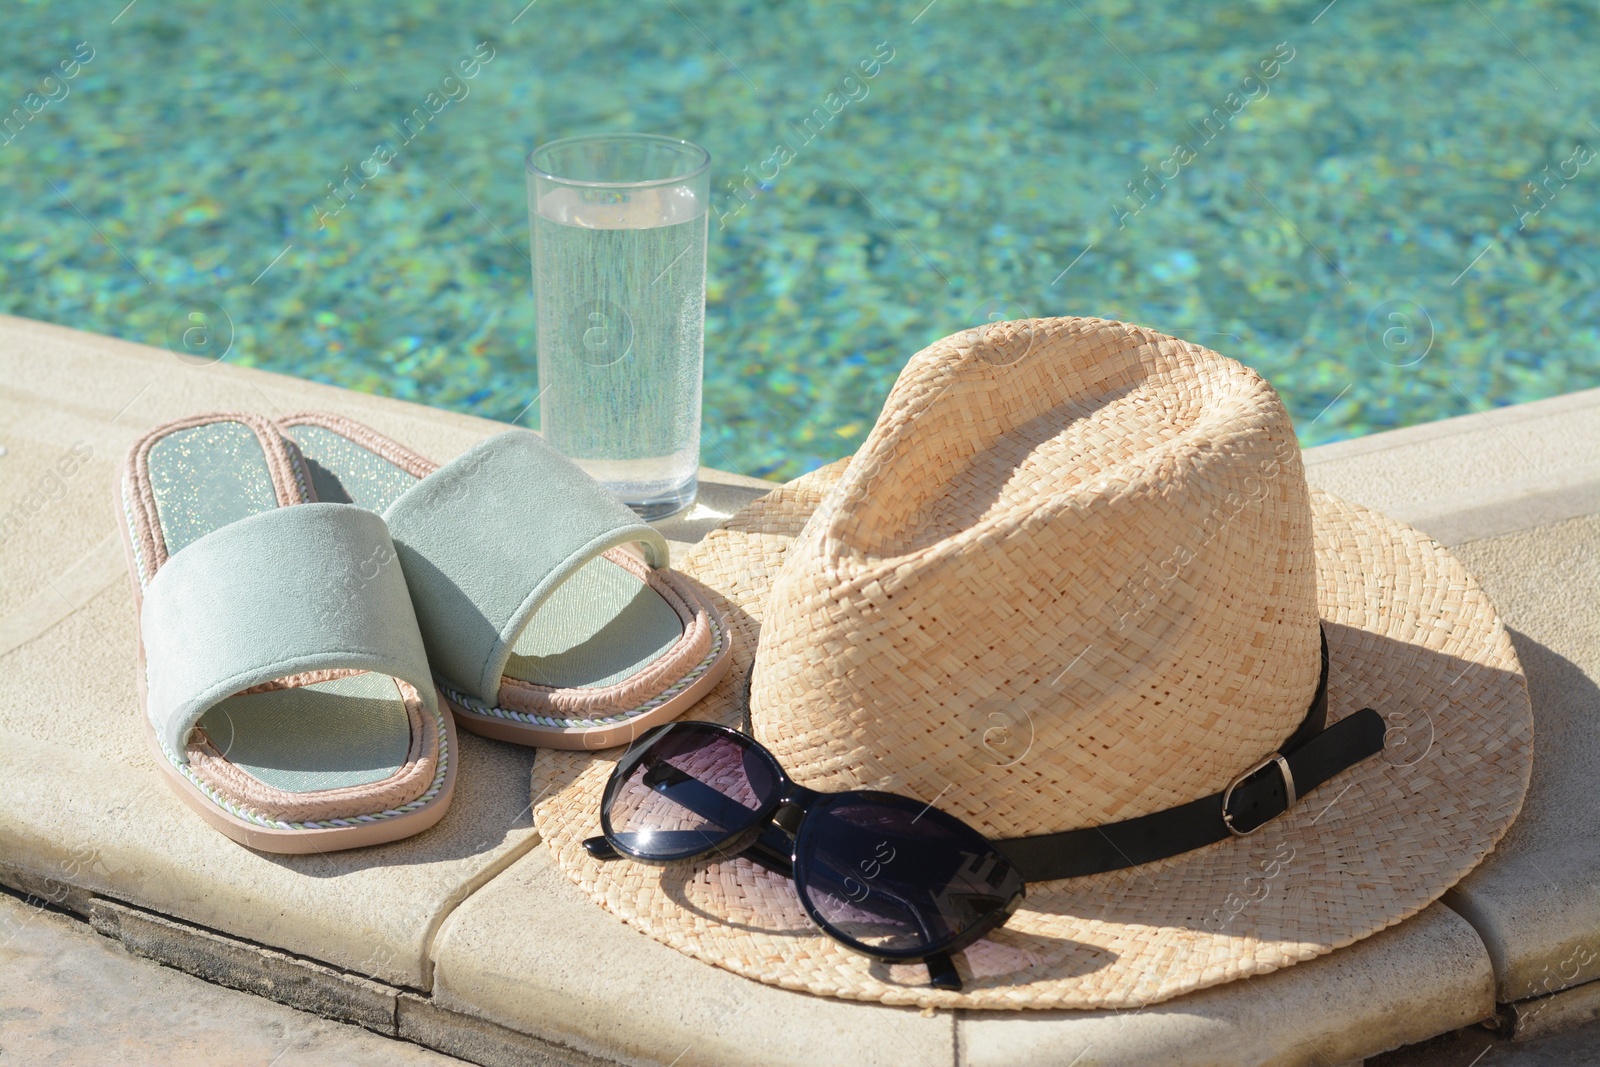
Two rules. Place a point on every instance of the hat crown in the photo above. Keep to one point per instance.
(1067, 580)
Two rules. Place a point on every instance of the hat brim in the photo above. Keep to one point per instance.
(1409, 633)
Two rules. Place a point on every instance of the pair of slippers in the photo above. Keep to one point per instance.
(319, 606)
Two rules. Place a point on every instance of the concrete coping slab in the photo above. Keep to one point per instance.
(1516, 493)
(532, 953)
(473, 909)
(80, 800)
(1536, 900)
(1479, 475)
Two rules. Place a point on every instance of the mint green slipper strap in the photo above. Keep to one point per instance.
(304, 588)
(487, 538)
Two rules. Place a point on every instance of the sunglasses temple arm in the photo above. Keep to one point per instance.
(942, 972)
(690, 792)
(600, 848)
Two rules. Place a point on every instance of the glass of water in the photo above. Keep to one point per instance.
(619, 274)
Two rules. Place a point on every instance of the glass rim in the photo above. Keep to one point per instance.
(695, 152)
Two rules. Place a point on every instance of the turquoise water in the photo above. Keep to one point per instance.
(1358, 224)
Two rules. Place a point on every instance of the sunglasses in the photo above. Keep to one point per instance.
(886, 875)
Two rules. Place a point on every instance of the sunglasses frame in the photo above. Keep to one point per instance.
(774, 838)
(788, 792)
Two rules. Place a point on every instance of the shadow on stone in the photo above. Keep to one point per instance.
(490, 803)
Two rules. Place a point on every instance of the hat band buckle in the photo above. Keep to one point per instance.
(1288, 788)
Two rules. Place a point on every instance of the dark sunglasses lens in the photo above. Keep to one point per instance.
(694, 791)
(896, 877)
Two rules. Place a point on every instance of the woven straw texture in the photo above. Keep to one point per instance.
(1074, 575)
(1085, 573)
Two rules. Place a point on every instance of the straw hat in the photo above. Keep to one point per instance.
(1075, 575)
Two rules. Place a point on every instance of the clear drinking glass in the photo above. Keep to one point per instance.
(619, 273)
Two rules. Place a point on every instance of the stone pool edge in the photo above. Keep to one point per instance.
(1443, 477)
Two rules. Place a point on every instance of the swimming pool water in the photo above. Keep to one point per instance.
(1388, 209)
